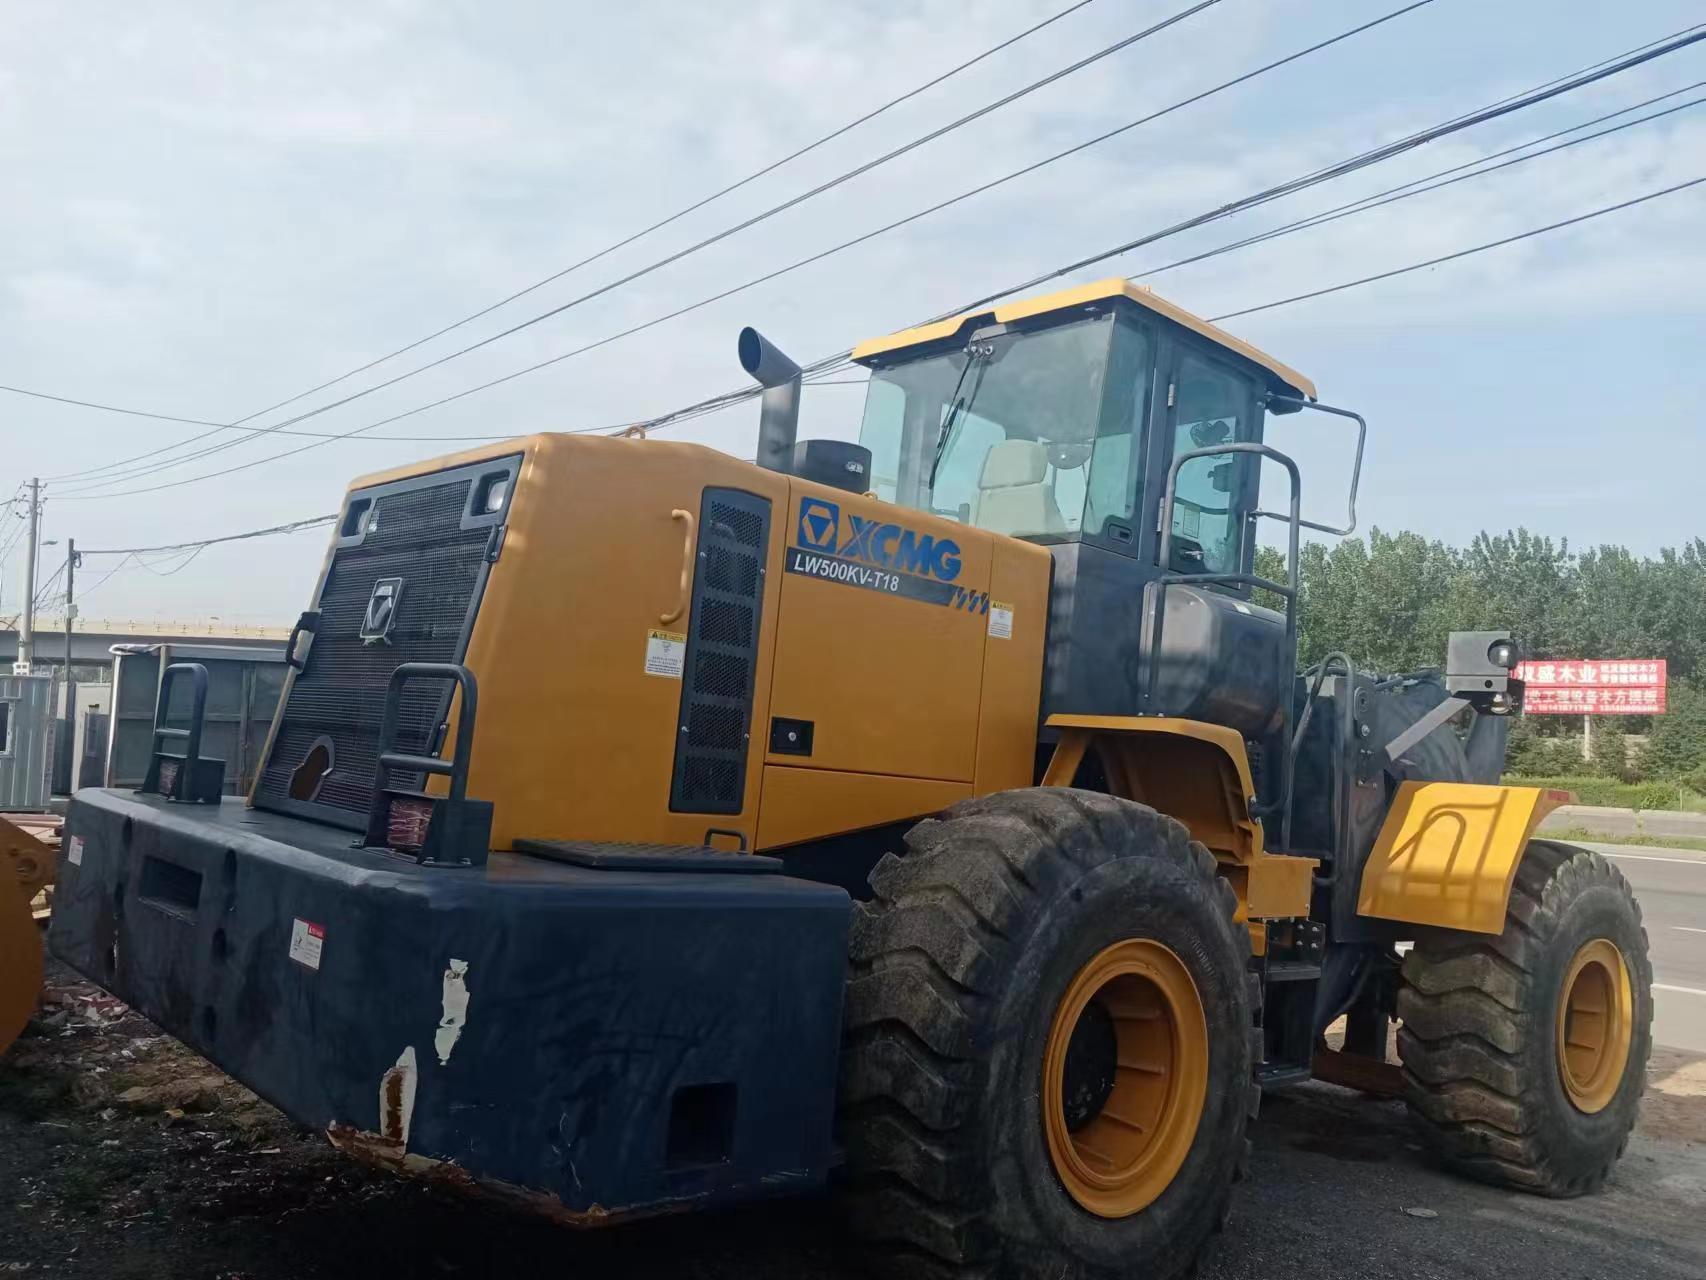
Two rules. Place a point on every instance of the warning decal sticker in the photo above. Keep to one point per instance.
(74, 851)
(306, 941)
(666, 654)
(1000, 620)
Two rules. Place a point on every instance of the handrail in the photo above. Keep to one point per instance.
(192, 779)
(1288, 591)
(456, 768)
(198, 707)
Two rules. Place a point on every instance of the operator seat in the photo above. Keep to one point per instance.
(1011, 495)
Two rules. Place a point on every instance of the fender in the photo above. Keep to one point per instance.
(1200, 774)
(1448, 851)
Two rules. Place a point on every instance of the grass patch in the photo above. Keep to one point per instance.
(1608, 792)
(1578, 835)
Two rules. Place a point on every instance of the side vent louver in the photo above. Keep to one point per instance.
(722, 653)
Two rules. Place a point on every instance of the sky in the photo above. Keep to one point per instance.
(213, 208)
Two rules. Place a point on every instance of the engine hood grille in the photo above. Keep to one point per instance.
(404, 585)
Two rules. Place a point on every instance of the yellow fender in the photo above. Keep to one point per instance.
(1200, 774)
(1448, 851)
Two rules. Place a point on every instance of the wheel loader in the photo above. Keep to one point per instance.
(940, 819)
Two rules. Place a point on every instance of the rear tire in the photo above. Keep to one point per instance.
(1525, 1055)
(979, 941)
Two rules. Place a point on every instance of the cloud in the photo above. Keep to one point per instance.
(223, 206)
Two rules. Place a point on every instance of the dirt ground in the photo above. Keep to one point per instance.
(124, 1155)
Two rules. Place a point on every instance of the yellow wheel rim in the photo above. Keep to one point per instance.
(1596, 1023)
(1124, 1077)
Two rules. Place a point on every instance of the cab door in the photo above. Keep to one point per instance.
(1208, 402)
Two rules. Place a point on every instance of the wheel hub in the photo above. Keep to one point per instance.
(1596, 1024)
(1125, 1075)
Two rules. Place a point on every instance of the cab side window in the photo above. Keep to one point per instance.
(1210, 503)
(1113, 455)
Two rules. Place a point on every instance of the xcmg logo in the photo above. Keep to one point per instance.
(888, 546)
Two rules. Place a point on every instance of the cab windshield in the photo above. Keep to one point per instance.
(1026, 433)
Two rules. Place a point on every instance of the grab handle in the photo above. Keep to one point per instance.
(686, 589)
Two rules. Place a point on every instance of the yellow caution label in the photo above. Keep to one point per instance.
(666, 654)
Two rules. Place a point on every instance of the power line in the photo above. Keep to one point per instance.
(111, 408)
(690, 411)
(183, 564)
(1425, 185)
(195, 548)
(1365, 204)
(131, 557)
(749, 284)
(1548, 89)
(293, 526)
(587, 261)
(1496, 110)
(47, 587)
(1461, 253)
(1505, 106)
(743, 225)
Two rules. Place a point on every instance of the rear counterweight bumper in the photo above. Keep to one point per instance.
(602, 1042)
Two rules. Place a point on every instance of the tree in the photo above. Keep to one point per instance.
(1677, 746)
(1610, 747)
(1390, 600)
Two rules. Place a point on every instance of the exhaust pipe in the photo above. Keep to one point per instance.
(779, 410)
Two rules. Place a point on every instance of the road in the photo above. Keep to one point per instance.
(1670, 885)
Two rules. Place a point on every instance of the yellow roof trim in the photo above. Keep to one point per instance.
(1079, 295)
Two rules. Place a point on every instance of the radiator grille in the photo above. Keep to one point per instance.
(417, 534)
(722, 653)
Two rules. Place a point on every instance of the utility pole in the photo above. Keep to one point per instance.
(27, 625)
(65, 768)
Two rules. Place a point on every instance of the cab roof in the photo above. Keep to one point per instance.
(1284, 376)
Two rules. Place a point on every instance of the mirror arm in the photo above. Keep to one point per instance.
(1292, 404)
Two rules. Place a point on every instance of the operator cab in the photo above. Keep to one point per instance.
(1035, 421)
(1057, 420)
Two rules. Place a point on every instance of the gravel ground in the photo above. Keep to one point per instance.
(123, 1155)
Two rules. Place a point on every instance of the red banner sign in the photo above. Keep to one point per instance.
(1580, 687)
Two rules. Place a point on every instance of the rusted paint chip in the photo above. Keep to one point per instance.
(397, 1099)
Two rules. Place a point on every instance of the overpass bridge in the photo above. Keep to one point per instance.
(92, 639)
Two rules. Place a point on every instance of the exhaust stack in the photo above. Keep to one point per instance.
(779, 410)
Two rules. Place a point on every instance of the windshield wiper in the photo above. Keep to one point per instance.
(977, 353)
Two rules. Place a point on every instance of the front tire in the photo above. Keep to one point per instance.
(1525, 1054)
(1047, 1064)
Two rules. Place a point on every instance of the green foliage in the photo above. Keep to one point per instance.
(1677, 746)
(1605, 791)
(1610, 748)
(1390, 600)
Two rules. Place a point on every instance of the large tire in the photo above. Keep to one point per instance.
(960, 966)
(1486, 1082)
